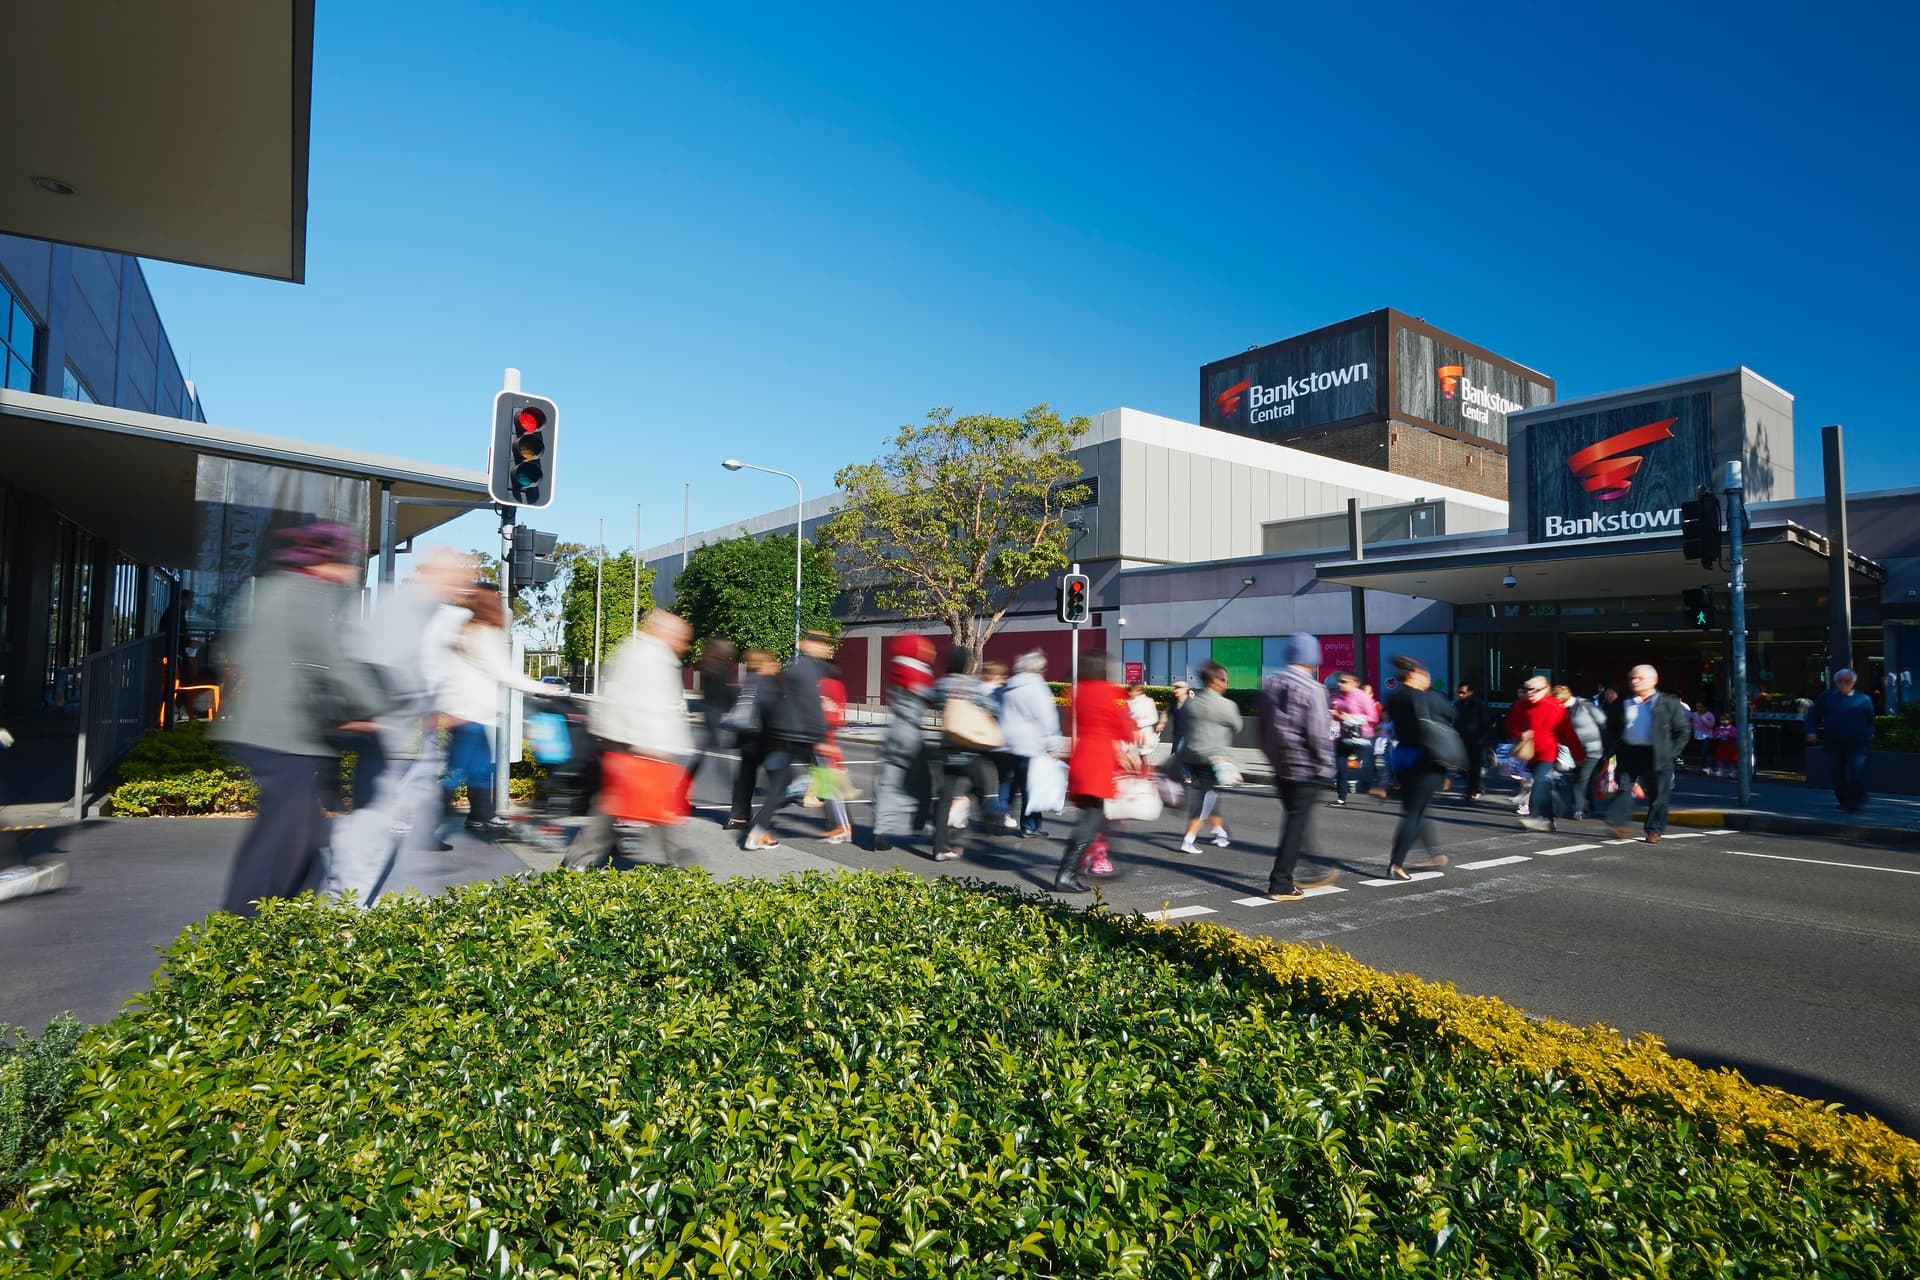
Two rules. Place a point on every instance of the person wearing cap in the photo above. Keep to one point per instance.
(903, 788)
(1294, 720)
(299, 685)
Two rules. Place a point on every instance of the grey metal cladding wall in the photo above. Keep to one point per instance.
(1303, 382)
(1467, 401)
(1584, 467)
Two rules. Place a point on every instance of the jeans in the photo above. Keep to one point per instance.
(1476, 767)
(1635, 764)
(782, 760)
(1296, 801)
(1579, 786)
(1540, 803)
(1344, 751)
(281, 850)
(1417, 790)
(1847, 762)
(470, 761)
(753, 753)
(1019, 789)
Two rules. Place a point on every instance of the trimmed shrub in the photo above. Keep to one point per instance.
(36, 1083)
(654, 1074)
(184, 749)
(228, 790)
(1898, 733)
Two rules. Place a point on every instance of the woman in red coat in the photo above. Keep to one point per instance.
(1541, 720)
(1103, 738)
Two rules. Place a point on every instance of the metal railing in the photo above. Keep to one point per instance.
(117, 702)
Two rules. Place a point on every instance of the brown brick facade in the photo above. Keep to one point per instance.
(1406, 450)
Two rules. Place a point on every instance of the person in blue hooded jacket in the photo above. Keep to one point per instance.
(1842, 719)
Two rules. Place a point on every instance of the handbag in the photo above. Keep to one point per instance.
(744, 715)
(965, 723)
(1136, 799)
(1523, 749)
(642, 789)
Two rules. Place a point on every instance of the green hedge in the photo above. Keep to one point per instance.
(36, 1087)
(1898, 733)
(653, 1074)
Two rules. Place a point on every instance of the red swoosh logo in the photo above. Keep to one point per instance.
(1607, 475)
(1229, 400)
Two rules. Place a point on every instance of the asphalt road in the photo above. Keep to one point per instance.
(1789, 959)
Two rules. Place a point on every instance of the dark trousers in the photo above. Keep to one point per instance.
(1418, 787)
(958, 773)
(280, 855)
(1014, 784)
(1847, 762)
(1476, 767)
(1091, 817)
(782, 760)
(1347, 750)
(1580, 786)
(753, 753)
(1635, 764)
(711, 742)
(1546, 778)
(1297, 797)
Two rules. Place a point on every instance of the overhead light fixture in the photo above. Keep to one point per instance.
(1246, 582)
(54, 185)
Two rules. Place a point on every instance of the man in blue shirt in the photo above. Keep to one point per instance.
(1842, 717)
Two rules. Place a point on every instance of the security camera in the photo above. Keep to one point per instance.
(1509, 582)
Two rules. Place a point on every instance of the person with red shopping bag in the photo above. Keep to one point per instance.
(641, 714)
(1103, 751)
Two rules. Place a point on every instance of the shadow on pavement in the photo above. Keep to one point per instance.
(1903, 1117)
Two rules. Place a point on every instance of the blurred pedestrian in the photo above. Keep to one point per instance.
(1146, 716)
(717, 696)
(746, 719)
(1356, 719)
(968, 733)
(1211, 723)
(903, 788)
(640, 712)
(830, 782)
(794, 724)
(1422, 718)
(1539, 726)
(1652, 732)
(1103, 749)
(1704, 723)
(1030, 720)
(1294, 720)
(1841, 718)
(1589, 733)
(472, 704)
(402, 641)
(1473, 719)
(299, 685)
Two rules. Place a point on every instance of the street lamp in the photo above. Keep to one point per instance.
(799, 545)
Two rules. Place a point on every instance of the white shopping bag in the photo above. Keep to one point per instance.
(1046, 785)
(1138, 800)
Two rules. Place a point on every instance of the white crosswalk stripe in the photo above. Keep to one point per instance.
(1494, 862)
(1569, 848)
(1418, 875)
(1180, 913)
(1264, 901)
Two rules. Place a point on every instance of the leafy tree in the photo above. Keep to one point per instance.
(742, 589)
(616, 579)
(962, 515)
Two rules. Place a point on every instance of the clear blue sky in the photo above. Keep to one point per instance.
(780, 231)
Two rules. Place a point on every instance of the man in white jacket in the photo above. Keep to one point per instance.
(642, 709)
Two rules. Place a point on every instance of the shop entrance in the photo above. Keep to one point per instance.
(1690, 663)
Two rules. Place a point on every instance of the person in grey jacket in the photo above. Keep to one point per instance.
(903, 787)
(1031, 721)
(1294, 724)
(1842, 718)
(960, 767)
(298, 686)
(1209, 725)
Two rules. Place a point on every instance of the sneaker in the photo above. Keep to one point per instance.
(24, 882)
(1535, 824)
(757, 839)
(1340, 802)
(948, 855)
(1477, 796)
(839, 835)
(1010, 822)
(1188, 846)
(1221, 838)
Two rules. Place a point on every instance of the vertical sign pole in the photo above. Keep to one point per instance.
(799, 545)
(504, 755)
(1736, 534)
(1839, 588)
(389, 531)
(1073, 689)
(1356, 548)
(636, 571)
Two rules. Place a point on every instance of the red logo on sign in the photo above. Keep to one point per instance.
(1228, 401)
(1606, 469)
(1449, 375)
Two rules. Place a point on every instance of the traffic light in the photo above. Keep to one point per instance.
(1700, 529)
(528, 566)
(1700, 608)
(1076, 601)
(520, 459)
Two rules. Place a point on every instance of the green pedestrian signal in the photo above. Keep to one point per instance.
(1700, 608)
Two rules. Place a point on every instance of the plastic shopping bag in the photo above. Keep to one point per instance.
(1135, 800)
(640, 789)
(1046, 785)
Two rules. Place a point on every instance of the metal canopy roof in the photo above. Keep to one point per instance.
(1780, 557)
(131, 477)
(181, 129)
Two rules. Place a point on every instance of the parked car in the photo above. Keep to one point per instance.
(558, 682)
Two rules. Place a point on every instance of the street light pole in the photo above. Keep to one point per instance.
(799, 542)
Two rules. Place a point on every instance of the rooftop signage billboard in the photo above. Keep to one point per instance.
(1612, 473)
(1327, 376)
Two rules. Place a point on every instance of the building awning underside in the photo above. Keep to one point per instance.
(132, 477)
(1779, 557)
(176, 131)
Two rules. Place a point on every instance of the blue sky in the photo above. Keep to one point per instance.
(778, 232)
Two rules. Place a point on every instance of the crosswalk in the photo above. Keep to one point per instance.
(1461, 870)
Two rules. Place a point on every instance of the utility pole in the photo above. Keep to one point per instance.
(1736, 537)
(599, 573)
(635, 629)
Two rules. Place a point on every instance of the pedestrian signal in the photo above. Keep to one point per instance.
(1076, 600)
(1700, 608)
(1700, 529)
(520, 457)
(528, 566)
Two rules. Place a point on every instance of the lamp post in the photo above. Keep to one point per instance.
(799, 543)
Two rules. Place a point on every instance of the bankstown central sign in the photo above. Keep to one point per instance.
(1329, 376)
(1613, 473)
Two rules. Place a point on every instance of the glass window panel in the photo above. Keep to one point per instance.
(1157, 662)
(1177, 667)
(19, 376)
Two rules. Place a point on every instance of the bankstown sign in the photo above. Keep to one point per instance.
(1614, 473)
(1331, 375)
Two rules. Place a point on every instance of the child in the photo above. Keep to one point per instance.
(830, 774)
(1726, 749)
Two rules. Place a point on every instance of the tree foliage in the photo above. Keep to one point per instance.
(616, 582)
(960, 516)
(742, 589)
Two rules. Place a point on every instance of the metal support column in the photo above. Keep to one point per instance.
(389, 532)
(1355, 551)
(1839, 588)
(1736, 537)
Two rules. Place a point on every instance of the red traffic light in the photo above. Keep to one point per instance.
(529, 419)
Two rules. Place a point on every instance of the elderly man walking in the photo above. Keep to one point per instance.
(1842, 718)
(1651, 730)
(1295, 735)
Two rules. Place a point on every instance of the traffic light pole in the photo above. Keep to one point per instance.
(1073, 689)
(504, 755)
(1736, 536)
